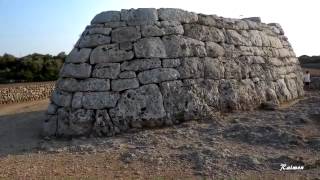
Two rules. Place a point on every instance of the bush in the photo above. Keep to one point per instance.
(34, 67)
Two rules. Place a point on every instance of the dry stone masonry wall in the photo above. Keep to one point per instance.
(21, 92)
(152, 67)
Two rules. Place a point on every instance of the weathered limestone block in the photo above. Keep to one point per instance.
(275, 42)
(292, 87)
(106, 16)
(253, 51)
(80, 121)
(283, 93)
(123, 84)
(247, 94)
(179, 46)
(170, 63)
(276, 28)
(232, 70)
(233, 37)
(98, 30)
(208, 20)
(158, 75)
(241, 24)
(151, 47)
(172, 28)
(61, 98)
(126, 45)
(173, 91)
(63, 123)
(109, 53)
(90, 84)
(127, 75)
(190, 97)
(123, 34)
(103, 125)
(106, 70)
(94, 40)
(141, 16)
(213, 68)
(74, 122)
(141, 64)
(77, 100)
(229, 97)
(214, 49)
(115, 24)
(78, 55)
(204, 33)
(99, 100)
(255, 38)
(139, 107)
(93, 84)
(82, 70)
(170, 14)
(151, 30)
(191, 68)
(68, 84)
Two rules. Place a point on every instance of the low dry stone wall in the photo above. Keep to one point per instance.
(152, 67)
(21, 92)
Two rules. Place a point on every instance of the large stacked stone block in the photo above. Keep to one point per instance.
(152, 67)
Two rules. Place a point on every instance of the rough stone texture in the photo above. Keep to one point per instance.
(170, 63)
(141, 16)
(109, 53)
(61, 98)
(123, 84)
(106, 70)
(151, 47)
(127, 75)
(158, 75)
(124, 34)
(180, 46)
(90, 84)
(99, 100)
(82, 70)
(78, 55)
(94, 40)
(214, 49)
(21, 92)
(167, 66)
(107, 16)
(141, 64)
(138, 107)
(169, 14)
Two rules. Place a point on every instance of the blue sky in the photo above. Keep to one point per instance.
(52, 26)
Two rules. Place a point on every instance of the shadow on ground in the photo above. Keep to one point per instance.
(20, 133)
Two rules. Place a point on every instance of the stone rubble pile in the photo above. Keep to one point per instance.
(22, 92)
(152, 67)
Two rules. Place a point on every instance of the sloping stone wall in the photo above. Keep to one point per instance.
(154, 67)
(22, 92)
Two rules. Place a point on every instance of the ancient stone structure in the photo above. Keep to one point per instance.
(22, 92)
(152, 67)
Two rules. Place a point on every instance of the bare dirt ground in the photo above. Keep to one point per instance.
(239, 145)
